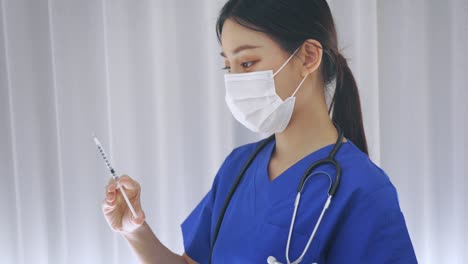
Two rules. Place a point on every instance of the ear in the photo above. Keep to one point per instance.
(310, 55)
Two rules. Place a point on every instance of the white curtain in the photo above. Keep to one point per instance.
(144, 77)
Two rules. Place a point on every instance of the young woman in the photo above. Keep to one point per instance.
(280, 56)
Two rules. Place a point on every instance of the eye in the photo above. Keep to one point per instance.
(247, 64)
(244, 65)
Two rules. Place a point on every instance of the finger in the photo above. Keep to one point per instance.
(139, 212)
(111, 188)
(128, 183)
(107, 206)
(111, 185)
(116, 228)
(110, 196)
(112, 200)
(115, 225)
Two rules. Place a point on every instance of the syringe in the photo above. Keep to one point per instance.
(116, 178)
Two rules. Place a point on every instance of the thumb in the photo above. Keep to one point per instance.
(128, 183)
(140, 217)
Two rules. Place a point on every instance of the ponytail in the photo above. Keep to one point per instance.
(346, 104)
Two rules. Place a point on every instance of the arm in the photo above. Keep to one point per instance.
(374, 232)
(149, 249)
(136, 231)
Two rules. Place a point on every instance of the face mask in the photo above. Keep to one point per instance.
(253, 100)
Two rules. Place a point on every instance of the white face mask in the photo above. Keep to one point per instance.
(253, 100)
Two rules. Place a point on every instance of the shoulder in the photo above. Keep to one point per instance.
(363, 180)
(234, 162)
(239, 155)
(229, 171)
(370, 226)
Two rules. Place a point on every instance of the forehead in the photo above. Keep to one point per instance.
(235, 35)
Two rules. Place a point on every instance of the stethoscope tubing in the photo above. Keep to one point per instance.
(330, 159)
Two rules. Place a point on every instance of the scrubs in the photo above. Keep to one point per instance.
(364, 223)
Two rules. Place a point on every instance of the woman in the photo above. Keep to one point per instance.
(280, 56)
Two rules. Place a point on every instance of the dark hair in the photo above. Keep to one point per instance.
(290, 23)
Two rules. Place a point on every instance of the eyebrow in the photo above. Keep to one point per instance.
(240, 48)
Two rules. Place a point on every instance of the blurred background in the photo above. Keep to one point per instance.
(145, 77)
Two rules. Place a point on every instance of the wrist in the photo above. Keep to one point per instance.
(137, 232)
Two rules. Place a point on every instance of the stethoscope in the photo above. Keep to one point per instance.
(330, 159)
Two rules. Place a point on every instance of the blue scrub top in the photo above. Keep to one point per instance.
(364, 223)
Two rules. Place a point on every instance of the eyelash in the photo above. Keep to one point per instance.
(252, 63)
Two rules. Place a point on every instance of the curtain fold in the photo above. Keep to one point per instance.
(145, 78)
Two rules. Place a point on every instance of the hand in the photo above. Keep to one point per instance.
(115, 209)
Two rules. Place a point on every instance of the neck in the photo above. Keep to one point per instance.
(309, 130)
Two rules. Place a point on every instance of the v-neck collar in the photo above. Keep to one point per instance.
(285, 185)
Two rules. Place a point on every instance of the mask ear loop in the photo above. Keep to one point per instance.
(299, 86)
(284, 64)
